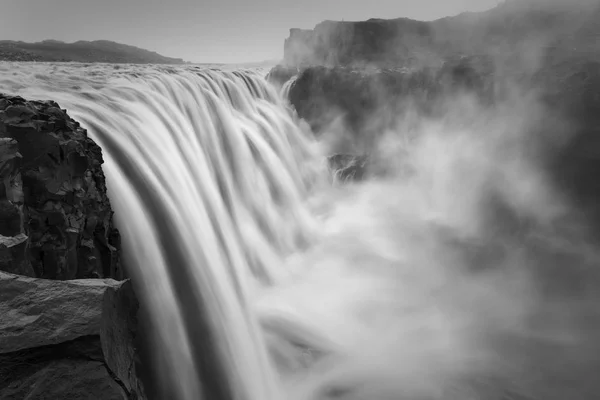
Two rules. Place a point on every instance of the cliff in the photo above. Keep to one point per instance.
(364, 103)
(88, 52)
(531, 30)
(374, 41)
(56, 218)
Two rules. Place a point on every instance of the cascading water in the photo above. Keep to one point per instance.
(285, 88)
(263, 282)
(209, 174)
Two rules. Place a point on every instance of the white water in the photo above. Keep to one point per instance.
(266, 283)
(285, 88)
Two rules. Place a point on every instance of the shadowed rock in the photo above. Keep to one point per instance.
(348, 167)
(119, 335)
(73, 370)
(53, 200)
(68, 339)
(56, 223)
(40, 312)
(367, 102)
(280, 74)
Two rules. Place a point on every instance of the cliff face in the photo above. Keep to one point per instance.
(56, 216)
(376, 41)
(534, 30)
(365, 103)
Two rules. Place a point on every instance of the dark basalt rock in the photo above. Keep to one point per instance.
(574, 99)
(56, 216)
(119, 335)
(51, 337)
(75, 339)
(280, 74)
(368, 101)
(348, 167)
(41, 312)
(73, 370)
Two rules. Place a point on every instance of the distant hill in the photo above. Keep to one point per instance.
(539, 29)
(103, 51)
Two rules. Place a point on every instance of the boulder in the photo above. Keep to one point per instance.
(72, 339)
(72, 370)
(40, 312)
(56, 217)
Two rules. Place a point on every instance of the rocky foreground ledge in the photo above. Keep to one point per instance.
(68, 339)
(68, 323)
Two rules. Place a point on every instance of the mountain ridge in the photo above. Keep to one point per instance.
(102, 51)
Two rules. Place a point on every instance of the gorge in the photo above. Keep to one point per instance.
(356, 223)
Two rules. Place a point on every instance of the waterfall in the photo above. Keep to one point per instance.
(207, 176)
(265, 282)
(211, 168)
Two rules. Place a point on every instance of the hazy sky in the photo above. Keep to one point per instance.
(203, 30)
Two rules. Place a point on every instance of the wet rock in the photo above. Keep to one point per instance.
(119, 335)
(369, 101)
(40, 312)
(280, 74)
(53, 192)
(348, 167)
(73, 370)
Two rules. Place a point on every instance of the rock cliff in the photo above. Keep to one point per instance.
(374, 41)
(56, 219)
(531, 31)
(349, 75)
(364, 103)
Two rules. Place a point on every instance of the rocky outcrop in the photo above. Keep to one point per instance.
(366, 102)
(348, 167)
(68, 339)
(372, 42)
(523, 30)
(280, 74)
(56, 216)
(40, 312)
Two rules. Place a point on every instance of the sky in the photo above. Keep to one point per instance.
(203, 31)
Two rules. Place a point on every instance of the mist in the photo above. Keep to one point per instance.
(458, 268)
(463, 264)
